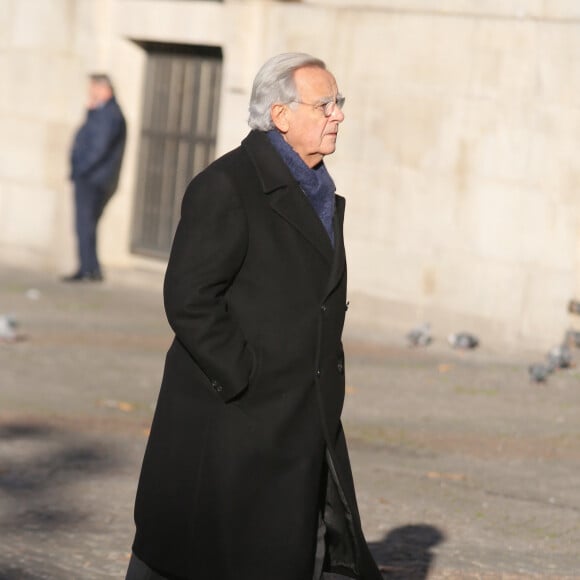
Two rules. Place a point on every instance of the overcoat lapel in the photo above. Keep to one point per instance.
(292, 205)
(285, 196)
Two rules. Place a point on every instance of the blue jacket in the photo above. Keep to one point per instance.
(98, 147)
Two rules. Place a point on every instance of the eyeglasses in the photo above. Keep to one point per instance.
(327, 107)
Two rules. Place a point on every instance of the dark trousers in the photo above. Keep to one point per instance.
(89, 204)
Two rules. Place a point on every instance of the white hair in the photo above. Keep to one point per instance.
(274, 83)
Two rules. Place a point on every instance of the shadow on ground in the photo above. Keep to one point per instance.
(39, 466)
(12, 573)
(406, 553)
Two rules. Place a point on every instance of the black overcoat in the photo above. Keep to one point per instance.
(246, 445)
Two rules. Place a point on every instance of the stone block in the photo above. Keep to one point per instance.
(22, 146)
(29, 224)
(46, 25)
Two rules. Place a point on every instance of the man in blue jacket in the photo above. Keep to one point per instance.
(96, 158)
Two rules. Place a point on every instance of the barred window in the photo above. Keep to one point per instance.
(178, 137)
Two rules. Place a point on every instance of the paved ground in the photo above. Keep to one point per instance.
(464, 469)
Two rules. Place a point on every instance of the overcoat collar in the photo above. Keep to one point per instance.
(287, 199)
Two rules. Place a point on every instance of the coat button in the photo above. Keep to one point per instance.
(216, 386)
(318, 373)
(340, 368)
(323, 308)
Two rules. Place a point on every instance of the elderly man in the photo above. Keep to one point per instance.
(96, 158)
(246, 475)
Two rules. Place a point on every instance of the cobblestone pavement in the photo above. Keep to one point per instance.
(463, 468)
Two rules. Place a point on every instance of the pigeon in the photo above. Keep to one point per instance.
(572, 338)
(420, 335)
(560, 356)
(463, 340)
(7, 328)
(539, 372)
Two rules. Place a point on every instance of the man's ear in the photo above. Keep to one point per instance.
(278, 114)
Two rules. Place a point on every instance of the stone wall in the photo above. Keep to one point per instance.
(457, 156)
(47, 48)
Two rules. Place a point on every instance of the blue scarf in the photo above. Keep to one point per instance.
(316, 183)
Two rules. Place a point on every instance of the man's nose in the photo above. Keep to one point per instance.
(338, 115)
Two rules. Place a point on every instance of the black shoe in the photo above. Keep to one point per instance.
(96, 277)
(83, 277)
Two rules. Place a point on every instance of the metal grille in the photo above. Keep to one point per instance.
(178, 137)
